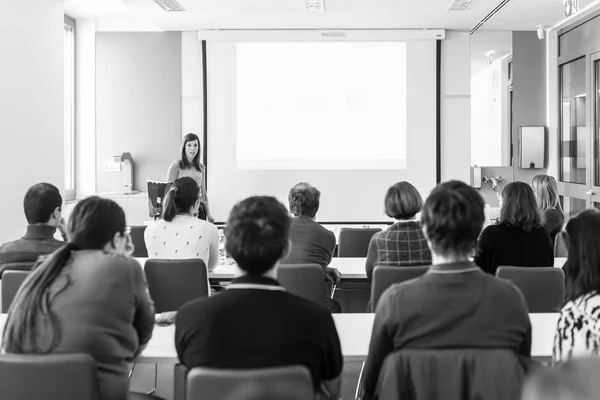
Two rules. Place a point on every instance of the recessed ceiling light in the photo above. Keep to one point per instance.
(460, 5)
(314, 5)
(169, 5)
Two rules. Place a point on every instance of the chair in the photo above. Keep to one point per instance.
(139, 244)
(16, 266)
(11, 282)
(354, 242)
(457, 374)
(156, 193)
(175, 282)
(560, 248)
(543, 287)
(386, 276)
(48, 377)
(304, 280)
(280, 383)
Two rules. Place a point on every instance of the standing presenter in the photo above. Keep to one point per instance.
(189, 165)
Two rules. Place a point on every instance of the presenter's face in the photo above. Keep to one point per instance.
(191, 149)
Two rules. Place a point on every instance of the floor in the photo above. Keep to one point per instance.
(143, 380)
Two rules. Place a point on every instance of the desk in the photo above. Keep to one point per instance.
(354, 331)
(350, 268)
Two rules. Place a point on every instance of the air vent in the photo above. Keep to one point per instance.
(169, 5)
(314, 5)
(485, 19)
(460, 5)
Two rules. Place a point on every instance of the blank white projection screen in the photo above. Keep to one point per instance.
(351, 118)
(293, 95)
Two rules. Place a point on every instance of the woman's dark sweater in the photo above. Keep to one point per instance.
(512, 246)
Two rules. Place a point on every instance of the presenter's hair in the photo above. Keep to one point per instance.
(40, 202)
(402, 201)
(183, 161)
(546, 192)
(304, 200)
(519, 207)
(582, 236)
(93, 224)
(181, 197)
(257, 234)
(452, 218)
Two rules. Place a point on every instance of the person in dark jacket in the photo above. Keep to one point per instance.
(455, 305)
(519, 239)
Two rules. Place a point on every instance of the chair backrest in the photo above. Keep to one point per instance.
(560, 248)
(16, 266)
(354, 242)
(11, 282)
(384, 277)
(137, 238)
(172, 283)
(457, 374)
(48, 377)
(304, 280)
(156, 190)
(543, 287)
(280, 383)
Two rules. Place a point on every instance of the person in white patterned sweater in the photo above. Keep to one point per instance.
(578, 328)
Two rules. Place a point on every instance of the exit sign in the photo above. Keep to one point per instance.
(571, 7)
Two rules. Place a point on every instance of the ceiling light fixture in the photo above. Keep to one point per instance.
(169, 5)
(314, 5)
(460, 5)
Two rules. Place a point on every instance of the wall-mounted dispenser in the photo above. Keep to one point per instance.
(532, 153)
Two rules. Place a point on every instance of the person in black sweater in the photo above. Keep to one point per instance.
(519, 239)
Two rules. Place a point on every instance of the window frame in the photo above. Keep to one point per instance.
(70, 155)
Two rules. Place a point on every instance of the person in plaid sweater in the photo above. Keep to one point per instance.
(403, 243)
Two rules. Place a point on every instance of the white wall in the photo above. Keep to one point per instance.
(456, 107)
(31, 104)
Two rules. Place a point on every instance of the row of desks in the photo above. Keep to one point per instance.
(350, 268)
(354, 331)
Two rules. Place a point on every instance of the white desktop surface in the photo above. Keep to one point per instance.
(354, 331)
(350, 268)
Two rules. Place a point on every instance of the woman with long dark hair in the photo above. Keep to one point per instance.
(578, 329)
(87, 297)
(519, 239)
(189, 165)
(546, 193)
(180, 234)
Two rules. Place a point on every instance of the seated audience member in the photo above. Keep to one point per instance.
(546, 193)
(180, 234)
(87, 297)
(519, 239)
(573, 380)
(42, 204)
(402, 243)
(254, 322)
(578, 329)
(311, 243)
(454, 305)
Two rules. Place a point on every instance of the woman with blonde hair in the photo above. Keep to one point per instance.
(546, 193)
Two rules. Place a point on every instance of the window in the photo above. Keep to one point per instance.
(69, 93)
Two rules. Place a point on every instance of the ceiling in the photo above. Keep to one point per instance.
(338, 14)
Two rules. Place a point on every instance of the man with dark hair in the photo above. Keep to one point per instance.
(42, 205)
(311, 243)
(455, 305)
(254, 322)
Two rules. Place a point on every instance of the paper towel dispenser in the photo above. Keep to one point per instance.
(532, 153)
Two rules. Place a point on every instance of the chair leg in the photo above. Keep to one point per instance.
(131, 372)
(155, 379)
(358, 387)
